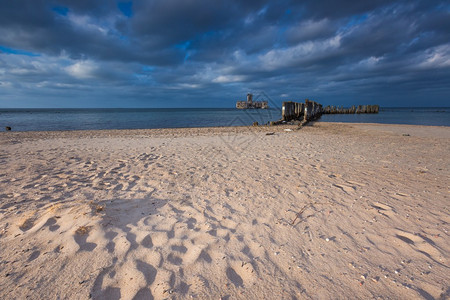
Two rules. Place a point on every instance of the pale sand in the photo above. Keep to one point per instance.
(208, 213)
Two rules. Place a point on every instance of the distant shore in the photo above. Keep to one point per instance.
(327, 210)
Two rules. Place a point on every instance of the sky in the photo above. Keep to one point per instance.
(204, 53)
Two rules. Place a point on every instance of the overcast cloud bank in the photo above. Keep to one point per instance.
(80, 53)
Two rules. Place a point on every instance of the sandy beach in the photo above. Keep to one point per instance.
(327, 211)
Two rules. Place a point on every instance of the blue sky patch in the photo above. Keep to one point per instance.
(16, 51)
(126, 8)
(60, 10)
(356, 20)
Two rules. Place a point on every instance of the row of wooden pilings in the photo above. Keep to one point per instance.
(311, 110)
(307, 111)
(360, 109)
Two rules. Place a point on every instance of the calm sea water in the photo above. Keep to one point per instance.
(93, 119)
(435, 116)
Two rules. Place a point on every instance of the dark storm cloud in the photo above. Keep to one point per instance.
(189, 48)
(87, 30)
(343, 8)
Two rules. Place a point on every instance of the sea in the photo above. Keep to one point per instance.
(146, 118)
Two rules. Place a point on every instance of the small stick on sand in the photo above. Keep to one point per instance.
(305, 207)
(300, 212)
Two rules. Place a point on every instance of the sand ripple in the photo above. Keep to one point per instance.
(328, 211)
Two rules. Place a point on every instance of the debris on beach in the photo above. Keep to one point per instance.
(82, 230)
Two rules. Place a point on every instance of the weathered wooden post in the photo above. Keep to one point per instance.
(308, 110)
(294, 110)
(305, 117)
(291, 110)
(288, 111)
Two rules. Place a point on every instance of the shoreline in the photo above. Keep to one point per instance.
(331, 209)
(224, 130)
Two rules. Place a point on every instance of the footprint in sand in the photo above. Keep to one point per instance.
(111, 293)
(383, 209)
(191, 222)
(159, 238)
(246, 270)
(81, 235)
(355, 183)
(143, 293)
(111, 245)
(27, 224)
(147, 242)
(164, 282)
(147, 270)
(34, 255)
(204, 256)
(241, 272)
(119, 187)
(200, 287)
(51, 223)
(420, 244)
(147, 158)
(197, 253)
(254, 249)
(174, 259)
(234, 277)
(401, 196)
(179, 248)
(345, 188)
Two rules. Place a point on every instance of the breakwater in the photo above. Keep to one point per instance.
(307, 111)
(311, 110)
(360, 109)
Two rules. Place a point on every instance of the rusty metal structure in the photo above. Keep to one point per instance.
(250, 104)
